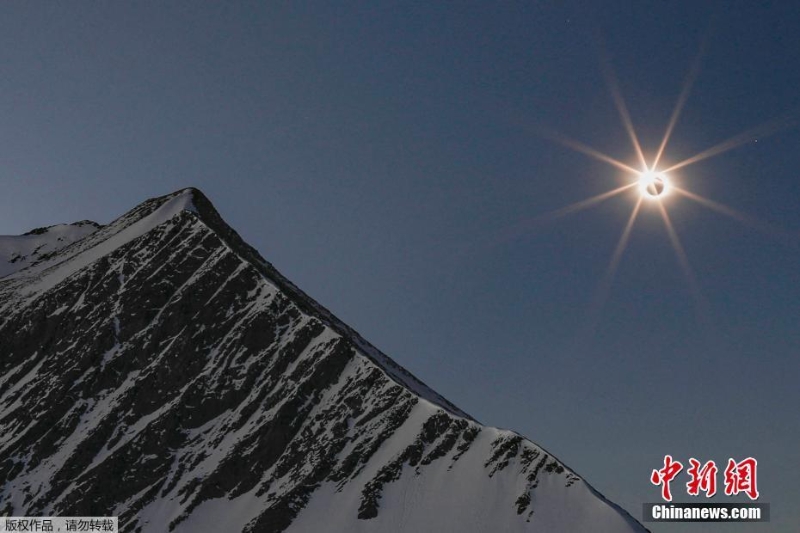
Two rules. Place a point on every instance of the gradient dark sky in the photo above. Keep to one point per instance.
(378, 153)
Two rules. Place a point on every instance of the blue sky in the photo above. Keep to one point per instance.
(389, 158)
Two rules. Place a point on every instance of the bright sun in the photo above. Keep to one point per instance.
(653, 185)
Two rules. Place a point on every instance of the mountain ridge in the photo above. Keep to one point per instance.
(20, 251)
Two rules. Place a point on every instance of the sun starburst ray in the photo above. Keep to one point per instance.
(673, 119)
(582, 204)
(740, 217)
(619, 102)
(587, 150)
(527, 225)
(683, 261)
(762, 130)
(604, 286)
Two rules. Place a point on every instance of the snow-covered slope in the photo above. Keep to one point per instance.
(160, 370)
(20, 251)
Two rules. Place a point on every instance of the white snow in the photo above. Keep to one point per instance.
(459, 499)
(20, 251)
(111, 238)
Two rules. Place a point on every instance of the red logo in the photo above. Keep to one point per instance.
(739, 477)
(703, 479)
(664, 476)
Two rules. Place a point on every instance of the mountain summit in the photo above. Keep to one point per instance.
(160, 370)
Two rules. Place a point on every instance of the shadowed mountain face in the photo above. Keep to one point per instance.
(160, 370)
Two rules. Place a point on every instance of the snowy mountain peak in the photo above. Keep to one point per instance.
(159, 369)
(20, 251)
(92, 242)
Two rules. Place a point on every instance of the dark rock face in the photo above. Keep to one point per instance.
(160, 365)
